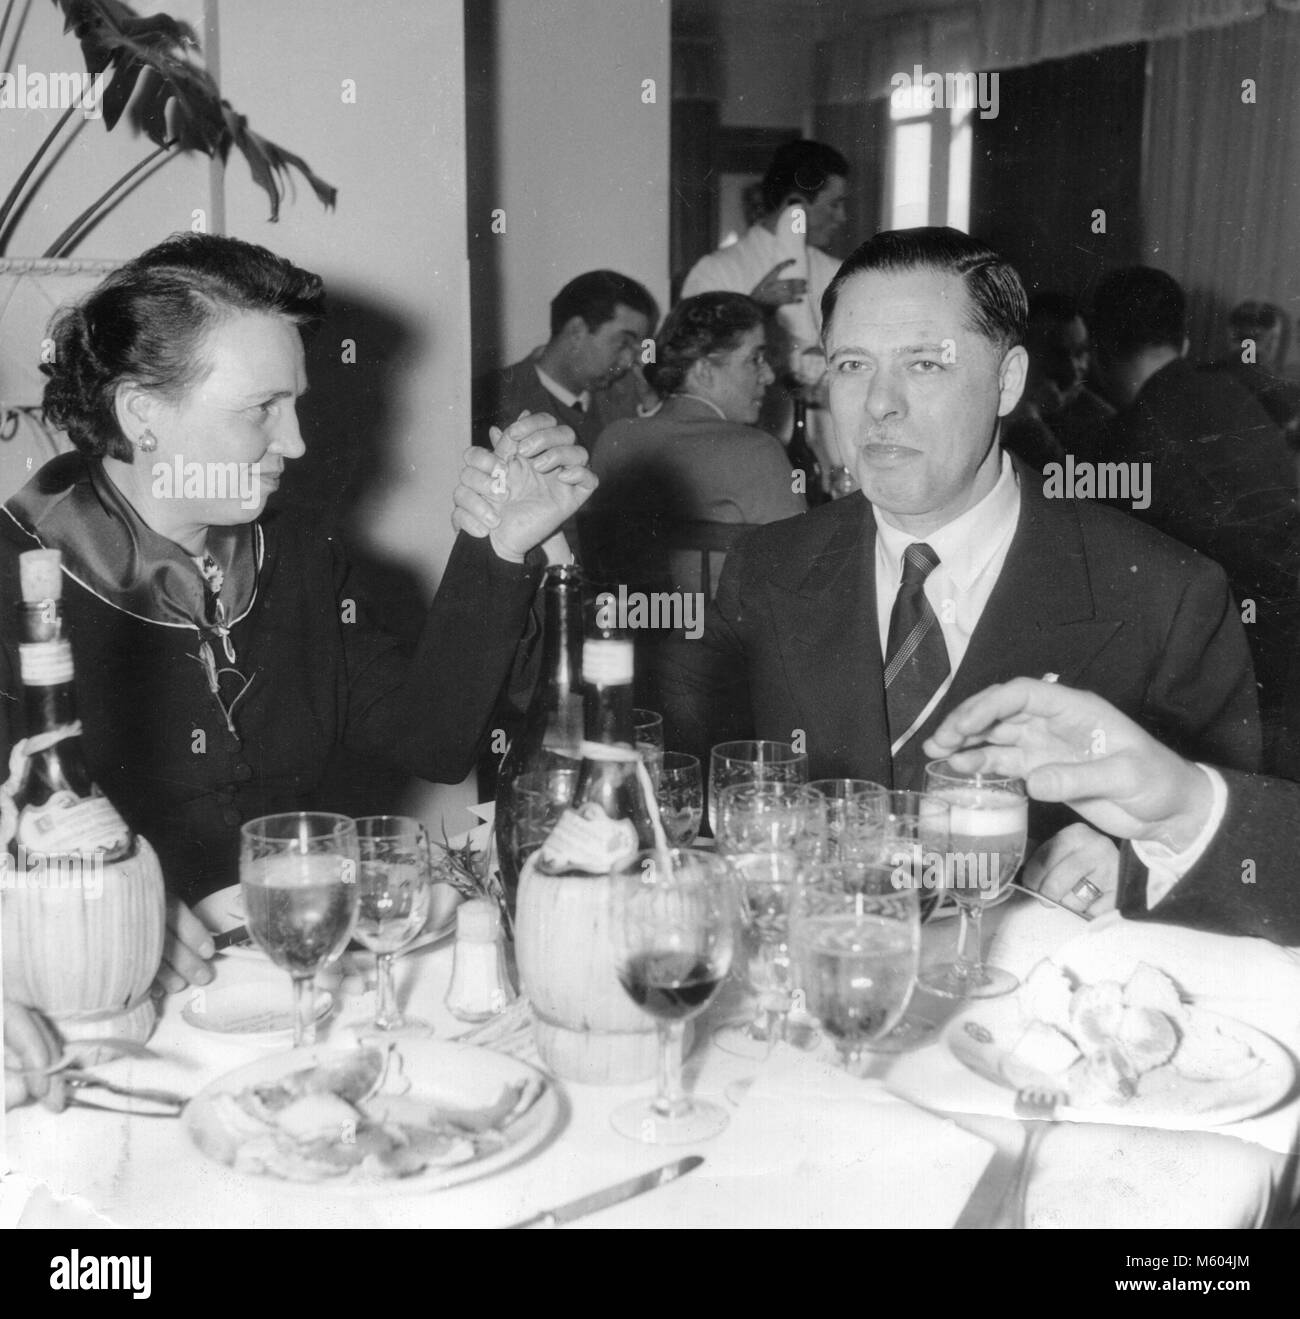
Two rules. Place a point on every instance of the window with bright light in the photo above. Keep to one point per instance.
(929, 165)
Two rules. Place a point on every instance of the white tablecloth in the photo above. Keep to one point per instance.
(809, 1146)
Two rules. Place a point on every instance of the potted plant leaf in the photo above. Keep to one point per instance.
(145, 69)
(177, 105)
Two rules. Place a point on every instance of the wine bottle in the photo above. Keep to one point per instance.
(58, 811)
(587, 1028)
(802, 457)
(542, 761)
(85, 911)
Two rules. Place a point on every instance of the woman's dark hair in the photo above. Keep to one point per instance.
(699, 327)
(147, 322)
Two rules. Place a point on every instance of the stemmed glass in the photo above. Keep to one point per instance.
(731, 763)
(298, 875)
(681, 797)
(847, 816)
(649, 734)
(987, 828)
(673, 927)
(766, 817)
(395, 891)
(856, 940)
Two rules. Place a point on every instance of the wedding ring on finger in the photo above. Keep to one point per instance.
(1086, 893)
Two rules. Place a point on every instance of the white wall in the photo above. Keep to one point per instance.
(582, 161)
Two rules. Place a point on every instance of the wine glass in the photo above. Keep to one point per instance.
(539, 798)
(848, 815)
(912, 845)
(987, 827)
(298, 875)
(649, 738)
(395, 889)
(681, 797)
(765, 883)
(673, 927)
(731, 763)
(856, 942)
(766, 817)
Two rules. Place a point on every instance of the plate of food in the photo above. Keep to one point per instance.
(408, 1116)
(1132, 1053)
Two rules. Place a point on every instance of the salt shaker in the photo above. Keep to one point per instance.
(480, 984)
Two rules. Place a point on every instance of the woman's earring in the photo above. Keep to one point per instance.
(148, 442)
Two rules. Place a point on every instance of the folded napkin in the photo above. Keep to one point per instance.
(811, 1146)
(1250, 979)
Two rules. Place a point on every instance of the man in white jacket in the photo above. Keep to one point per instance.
(780, 263)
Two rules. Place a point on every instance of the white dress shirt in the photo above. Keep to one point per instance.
(972, 549)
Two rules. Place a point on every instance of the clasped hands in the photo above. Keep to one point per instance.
(1074, 747)
(522, 491)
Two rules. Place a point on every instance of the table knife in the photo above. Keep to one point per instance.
(238, 937)
(612, 1195)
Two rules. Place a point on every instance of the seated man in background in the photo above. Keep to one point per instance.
(1258, 333)
(1058, 414)
(598, 324)
(781, 264)
(1192, 828)
(854, 629)
(1221, 479)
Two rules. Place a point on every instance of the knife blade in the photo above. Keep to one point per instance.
(239, 937)
(612, 1195)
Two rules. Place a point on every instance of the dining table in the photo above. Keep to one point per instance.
(919, 1140)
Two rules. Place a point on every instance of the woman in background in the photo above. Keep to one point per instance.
(699, 458)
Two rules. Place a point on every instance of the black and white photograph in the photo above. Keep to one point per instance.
(650, 614)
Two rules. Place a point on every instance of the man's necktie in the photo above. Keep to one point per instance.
(918, 660)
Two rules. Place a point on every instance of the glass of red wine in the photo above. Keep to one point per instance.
(673, 925)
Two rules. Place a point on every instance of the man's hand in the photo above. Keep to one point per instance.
(187, 950)
(31, 1046)
(1073, 747)
(522, 492)
(773, 291)
(1075, 854)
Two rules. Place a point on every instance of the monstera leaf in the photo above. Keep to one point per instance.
(177, 105)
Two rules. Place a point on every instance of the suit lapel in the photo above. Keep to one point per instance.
(1040, 618)
(824, 612)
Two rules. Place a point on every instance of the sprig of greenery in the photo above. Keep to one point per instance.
(468, 872)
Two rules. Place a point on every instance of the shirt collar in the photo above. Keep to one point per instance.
(967, 543)
(567, 397)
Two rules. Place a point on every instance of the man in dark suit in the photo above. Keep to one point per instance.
(1210, 849)
(599, 322)
(1220, 475)
(854, 629)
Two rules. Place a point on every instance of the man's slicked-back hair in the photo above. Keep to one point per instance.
(1137, 307)
(802, 167)
(596, 296)
(999, 307)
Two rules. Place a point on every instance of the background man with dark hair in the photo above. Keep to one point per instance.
(598, 323)
(856, 627)
(1222, 480)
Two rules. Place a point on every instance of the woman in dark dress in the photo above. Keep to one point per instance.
(219, 652)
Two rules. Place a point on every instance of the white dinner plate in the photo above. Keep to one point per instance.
(427, 1072)
(983, 1037)
(257, 1010)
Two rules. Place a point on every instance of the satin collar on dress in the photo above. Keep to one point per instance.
(73, 506)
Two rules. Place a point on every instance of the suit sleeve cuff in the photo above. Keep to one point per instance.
(1165, 867)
